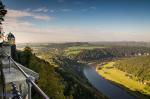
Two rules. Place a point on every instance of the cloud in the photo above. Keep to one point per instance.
(24, 13)
(42, 17)
(14, 24)
(52, 11)
(26, 31)
(65, 10)
(43, 9)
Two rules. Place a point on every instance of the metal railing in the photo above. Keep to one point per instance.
(29, 80)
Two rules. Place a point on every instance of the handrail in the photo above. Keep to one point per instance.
(28, 78)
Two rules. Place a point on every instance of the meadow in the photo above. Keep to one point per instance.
(111, 73)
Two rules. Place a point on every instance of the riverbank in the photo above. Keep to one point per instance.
(119, 78)
(104, 86)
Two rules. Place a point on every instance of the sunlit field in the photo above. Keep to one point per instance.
(77, 49)
(117, 76)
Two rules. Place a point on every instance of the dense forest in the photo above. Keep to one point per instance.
(114, 52)
(48, 81)
(76, 84)
(139, 67)
(65, 81)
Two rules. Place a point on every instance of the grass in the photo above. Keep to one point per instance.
(109, 72)
(72, 51)
(84, 47)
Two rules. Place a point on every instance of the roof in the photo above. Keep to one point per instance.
(10, 35)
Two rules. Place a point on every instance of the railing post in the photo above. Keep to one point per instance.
(9, 63)
(16, 93)
(29, 87)
(29, 90)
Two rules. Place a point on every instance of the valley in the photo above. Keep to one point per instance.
(72, 60)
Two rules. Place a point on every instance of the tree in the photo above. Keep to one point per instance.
(3, 12)
(27, 55)
(28, 49)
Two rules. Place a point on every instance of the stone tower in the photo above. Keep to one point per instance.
(11, 42)
(11, 38)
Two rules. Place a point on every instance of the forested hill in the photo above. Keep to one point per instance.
(113, 52)
(64, 81)
(139, 67)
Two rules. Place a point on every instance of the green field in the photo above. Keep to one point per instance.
(119, 77)
(77, 49)
(72, 52)
(84, 47)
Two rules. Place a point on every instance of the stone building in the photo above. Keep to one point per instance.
(11, 38)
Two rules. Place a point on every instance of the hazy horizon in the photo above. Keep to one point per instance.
(78, 20)
(83, 42)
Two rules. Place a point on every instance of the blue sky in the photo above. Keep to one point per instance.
(78, 20)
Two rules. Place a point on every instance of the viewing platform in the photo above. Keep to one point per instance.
(16, 80)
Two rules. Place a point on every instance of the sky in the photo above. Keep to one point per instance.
(77, 20)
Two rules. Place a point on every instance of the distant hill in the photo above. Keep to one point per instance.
(53, 45)
(112, 52)
(124, 43)
(73, 44)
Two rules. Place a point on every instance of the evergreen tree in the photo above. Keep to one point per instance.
(3, 12)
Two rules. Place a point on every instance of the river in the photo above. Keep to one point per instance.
(106, 87)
